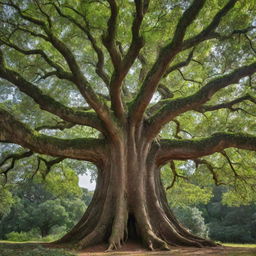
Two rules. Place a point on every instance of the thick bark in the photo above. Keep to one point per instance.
(129, 203)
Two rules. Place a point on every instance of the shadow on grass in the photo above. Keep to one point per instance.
(31, 249)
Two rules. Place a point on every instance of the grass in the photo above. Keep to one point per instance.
(9, 248)
(240, 245)
(20, 242)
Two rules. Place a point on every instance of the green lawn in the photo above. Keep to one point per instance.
(9, 248)
(241, 245)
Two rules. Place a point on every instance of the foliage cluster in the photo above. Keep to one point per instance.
(214, 219)
(230, 224)
(41, 214)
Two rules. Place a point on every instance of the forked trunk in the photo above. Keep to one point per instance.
(130, 203)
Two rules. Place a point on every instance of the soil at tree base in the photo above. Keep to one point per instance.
(135, 248)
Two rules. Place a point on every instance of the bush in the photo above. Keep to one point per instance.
(23, 236)
(52, 237)
(192, 219)
(34, 235)
(231, 234)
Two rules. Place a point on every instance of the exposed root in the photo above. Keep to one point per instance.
(115, 243)
(118, 237)
(94, 237)
(173, 232)
(152, 241)
(113, 246)
(150, 218)
(209, 243)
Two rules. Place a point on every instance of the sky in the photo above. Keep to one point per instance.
(84, 182)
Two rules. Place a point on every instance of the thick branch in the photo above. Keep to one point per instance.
(110, 37)
(178, 106)
(47, 103)
(208, 32)
(59, 126)
(228, 105)
(86, 30)
(166, 55)
(83, 85)
(60, 72)
(77, 76)
(14, 131)
(192, 149)
(125, 65)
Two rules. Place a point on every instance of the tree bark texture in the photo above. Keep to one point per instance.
(130, 203)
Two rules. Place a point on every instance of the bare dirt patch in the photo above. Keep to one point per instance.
(135, 249)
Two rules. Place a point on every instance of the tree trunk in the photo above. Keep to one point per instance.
(130, 203)
(44, 231)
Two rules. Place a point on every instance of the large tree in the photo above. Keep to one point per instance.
(127, 69)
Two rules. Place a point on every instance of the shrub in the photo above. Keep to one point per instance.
(231, 234)
(192, 219)
(23, 236)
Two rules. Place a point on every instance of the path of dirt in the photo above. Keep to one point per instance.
(131, 249)
(227, 251)
(135, 249)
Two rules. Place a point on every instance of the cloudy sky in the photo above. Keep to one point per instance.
(84, 181)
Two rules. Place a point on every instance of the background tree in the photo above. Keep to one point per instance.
(130, 70)
(227, 222)
(223, 213)
(39, 210)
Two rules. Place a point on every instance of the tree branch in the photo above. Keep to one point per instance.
(228, 105)
(77, 76)
(179, 65)
(175, 175)
(230, 164)
(59, 126)
(13, 158)
(48, 164)
(164, 91)
(195, 148)
(11, 130)
(109, 38)
(86, 30)
(46, 102)
(208, 32)
(187, 79)
(166, 55)
(179, 129)
(178, 106)
(60, 72)
(211, 168)
(125, 64)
